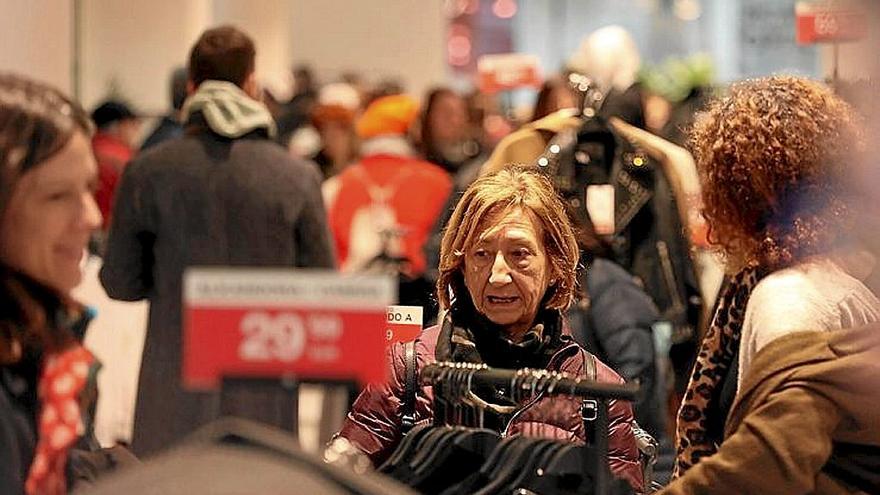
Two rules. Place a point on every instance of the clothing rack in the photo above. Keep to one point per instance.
(455, 379)
(527, 380)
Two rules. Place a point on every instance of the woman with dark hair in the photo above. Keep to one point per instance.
(47, 214)
(445, 135)
(554, 95)
(774, 156)
(507, 275)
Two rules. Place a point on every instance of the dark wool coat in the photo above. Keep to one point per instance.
(202, 200)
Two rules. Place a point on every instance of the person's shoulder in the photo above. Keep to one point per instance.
(430, 170)
(798, 281)
(168, 153)
(800, 298)
(582, 362)
(603, 273)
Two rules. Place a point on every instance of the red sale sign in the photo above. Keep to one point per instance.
(267, 323)
(503, 72)
(825, 22)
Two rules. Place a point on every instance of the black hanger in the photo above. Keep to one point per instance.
(469, 448)
(405, 449)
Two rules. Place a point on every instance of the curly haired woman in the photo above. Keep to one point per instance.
(773, 157)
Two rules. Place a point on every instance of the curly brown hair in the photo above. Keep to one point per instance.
(514, 187)
(772, 155)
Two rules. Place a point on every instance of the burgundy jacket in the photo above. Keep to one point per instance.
(373, 424)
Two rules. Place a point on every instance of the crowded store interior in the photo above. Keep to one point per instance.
(439, 246)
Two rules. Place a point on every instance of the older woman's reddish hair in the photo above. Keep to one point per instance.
(772, 156)
(509, 188)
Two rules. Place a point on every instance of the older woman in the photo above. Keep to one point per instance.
(507, 274)
(774, 156)
(47, 213)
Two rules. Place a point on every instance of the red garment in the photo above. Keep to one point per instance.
(112, 154)
(60, 423)
(420, 189)
(373, 425)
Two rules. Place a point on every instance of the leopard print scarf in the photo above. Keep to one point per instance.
(715, 357)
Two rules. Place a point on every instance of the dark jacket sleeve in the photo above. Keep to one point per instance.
(17, 443)
(622, 315)
(373, 424)
(312, 233)
(127, 271)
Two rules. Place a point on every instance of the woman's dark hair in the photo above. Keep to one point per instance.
(223, 54)
(36, 122)
(545, 103)
(426, 135)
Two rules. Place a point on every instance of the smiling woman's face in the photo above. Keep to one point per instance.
(506, 270)
(51, 215)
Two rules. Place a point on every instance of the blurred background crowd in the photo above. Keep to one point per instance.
(397, 107)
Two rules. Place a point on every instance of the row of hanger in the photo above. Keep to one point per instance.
(458, 455)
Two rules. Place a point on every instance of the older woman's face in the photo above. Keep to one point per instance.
(507, 270)
(50, 216)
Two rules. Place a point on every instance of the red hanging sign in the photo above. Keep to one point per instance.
(828, 22)
(267, 323)
(508, 71)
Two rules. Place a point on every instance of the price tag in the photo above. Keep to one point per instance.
(600, 207)
(270, 322)
(404, 323)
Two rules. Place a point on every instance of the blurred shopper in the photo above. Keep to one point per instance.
(113, 145)
(774, 156)
(610, 58)
(335, 125)
(170, 125)
(445, 137)
(47, 213)
(382, 208)
(222, 195)
(387, 203)
(295, 113)
(555, 94)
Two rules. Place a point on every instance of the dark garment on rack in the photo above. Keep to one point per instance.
(374, 421)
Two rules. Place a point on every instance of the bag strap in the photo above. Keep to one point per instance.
(589, 365)
(410, 387)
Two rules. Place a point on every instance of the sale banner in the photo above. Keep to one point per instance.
(503, 72)
(307, 324)
(828, 22)
(403, 323)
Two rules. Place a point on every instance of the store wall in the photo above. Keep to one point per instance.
(128, 49)
(36, 39)
(267, 22)
(404, 39)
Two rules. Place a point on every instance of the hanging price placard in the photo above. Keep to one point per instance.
(403, 324)
(267, 323)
